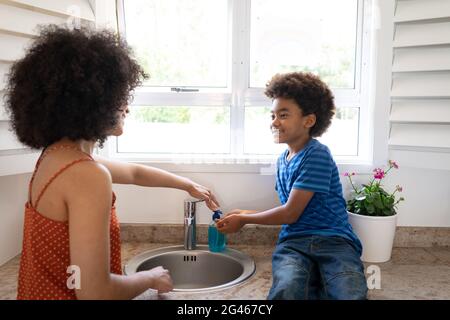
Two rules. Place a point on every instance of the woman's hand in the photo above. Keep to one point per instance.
(160, 279)
(201, 192)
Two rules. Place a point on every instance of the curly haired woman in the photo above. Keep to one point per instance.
(68, 93)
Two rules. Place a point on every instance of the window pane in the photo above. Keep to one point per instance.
(171, 129)
(179, 42)
(341, 137)
(303, 35)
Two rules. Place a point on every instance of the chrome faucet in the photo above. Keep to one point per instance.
(190, 236)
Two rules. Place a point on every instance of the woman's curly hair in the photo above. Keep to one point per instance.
(71, 83)
(310, 93)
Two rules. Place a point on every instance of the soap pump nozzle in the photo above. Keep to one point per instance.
(217, 214)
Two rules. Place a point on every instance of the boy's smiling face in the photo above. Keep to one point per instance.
(289, 125)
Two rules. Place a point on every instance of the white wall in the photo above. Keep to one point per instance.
(427, 197)
(427, 194)
(158, 205)
(13, 191)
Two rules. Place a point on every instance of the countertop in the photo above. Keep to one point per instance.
(412, 273)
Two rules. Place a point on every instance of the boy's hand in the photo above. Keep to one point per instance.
(239, 211)
(234, 211)
(231, 223)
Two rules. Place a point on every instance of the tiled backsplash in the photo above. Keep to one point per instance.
(268, 235)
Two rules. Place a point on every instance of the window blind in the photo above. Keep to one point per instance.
(420, 92)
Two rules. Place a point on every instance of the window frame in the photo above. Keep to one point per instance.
(238, 95)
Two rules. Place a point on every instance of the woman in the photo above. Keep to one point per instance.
(68, 93)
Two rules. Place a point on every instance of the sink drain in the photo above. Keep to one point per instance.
(190, 258)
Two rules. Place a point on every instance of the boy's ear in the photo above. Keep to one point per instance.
(310, 120)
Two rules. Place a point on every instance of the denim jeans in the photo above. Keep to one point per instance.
(317, 267)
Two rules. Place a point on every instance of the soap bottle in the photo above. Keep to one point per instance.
(216, 239)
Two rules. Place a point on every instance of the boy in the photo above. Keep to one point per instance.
(317, 255)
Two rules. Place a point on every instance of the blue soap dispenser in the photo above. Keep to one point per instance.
(216, 240)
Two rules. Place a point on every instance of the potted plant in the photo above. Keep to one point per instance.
(372, 214)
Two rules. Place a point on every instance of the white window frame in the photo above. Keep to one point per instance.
(372, 142)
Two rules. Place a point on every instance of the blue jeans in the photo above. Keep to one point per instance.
(317, 267)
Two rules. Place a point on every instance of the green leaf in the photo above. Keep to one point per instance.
(390, 201)
(370, 208)
(369, 198)
(361, 198)
(378, 202)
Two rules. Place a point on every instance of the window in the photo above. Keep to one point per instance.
(180, 43)
(209, 61)
(305, 35)
(172, 129)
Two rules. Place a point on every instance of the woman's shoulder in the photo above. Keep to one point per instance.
(80, 163)
(89, 176)
(89, 192)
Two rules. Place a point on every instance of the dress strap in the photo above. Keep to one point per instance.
(54, 177)
(38, 162)
(44, 153)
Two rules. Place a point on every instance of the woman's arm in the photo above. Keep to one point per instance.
(89, 205)
(130, 173)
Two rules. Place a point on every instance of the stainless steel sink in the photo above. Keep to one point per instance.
(196, 270)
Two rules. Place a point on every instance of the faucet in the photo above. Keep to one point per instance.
(190, 236)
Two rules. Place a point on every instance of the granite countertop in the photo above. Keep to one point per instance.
(256, 287)
(412, 273)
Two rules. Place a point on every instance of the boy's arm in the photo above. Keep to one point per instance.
(240, 211)
(130, 173)
(285, 214)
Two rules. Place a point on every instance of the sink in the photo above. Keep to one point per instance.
(196, 270)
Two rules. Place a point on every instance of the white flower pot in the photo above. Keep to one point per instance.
(376, 235)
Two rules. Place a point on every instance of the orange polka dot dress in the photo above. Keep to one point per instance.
(45, 252)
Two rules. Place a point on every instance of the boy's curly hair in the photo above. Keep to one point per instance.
(310, 93)
(71, 83)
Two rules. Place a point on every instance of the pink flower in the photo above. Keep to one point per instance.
(353, 174)
(393, 164)
(378, 173)
(346, 174)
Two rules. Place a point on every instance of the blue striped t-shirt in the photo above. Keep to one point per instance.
(314, 169)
